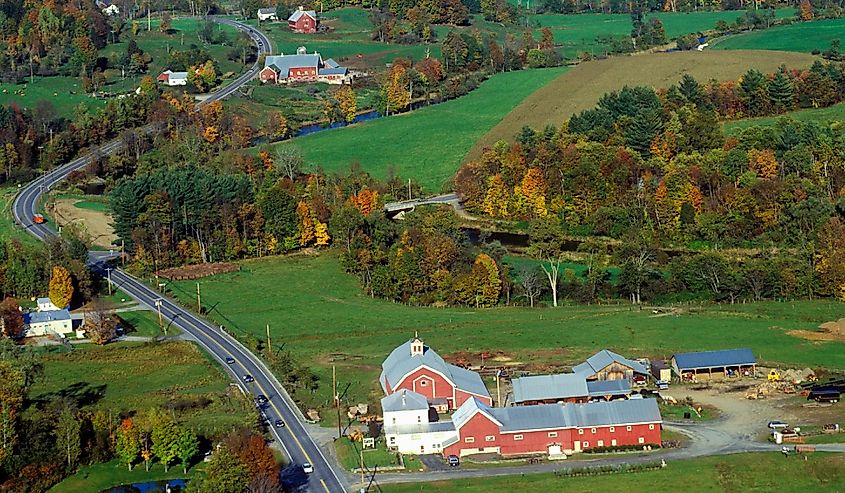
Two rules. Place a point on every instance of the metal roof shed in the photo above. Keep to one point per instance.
(714, 363)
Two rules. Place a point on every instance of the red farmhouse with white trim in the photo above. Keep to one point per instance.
(553, 429)
(416, 367)
(303, 21)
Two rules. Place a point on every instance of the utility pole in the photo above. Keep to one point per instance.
(199, 300)
(108, 273)
(498, 388)
(160, 322)
(362, 462)
(336, 398)
(409, 189)
(269, 347)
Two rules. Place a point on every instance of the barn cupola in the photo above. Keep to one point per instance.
(417, 346)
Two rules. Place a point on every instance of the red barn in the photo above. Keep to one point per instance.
(553, 429)
(416, 367)
(303, 21)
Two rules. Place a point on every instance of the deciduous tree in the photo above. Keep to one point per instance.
(61, 287)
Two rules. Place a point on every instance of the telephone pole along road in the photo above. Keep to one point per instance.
(294, 439)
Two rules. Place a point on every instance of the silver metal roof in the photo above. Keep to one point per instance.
(711, 359)
(608, 387)
(400, 363)
(404, 400)
(602, 359)
(283, 63)
(546, 387)
(299, 13)
(45, 316)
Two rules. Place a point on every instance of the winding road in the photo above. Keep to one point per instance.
(294, 439)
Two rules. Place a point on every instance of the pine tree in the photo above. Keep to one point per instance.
(781, 93)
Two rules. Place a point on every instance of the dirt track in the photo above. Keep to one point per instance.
(581, 87)
(95, 225)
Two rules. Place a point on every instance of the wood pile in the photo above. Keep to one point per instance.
(189, 272)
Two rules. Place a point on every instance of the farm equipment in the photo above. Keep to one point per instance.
(774, 376)
(38, 219)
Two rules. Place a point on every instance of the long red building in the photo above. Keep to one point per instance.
(416, 367)
(553, 429)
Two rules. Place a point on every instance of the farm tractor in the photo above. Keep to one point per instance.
(774, 376)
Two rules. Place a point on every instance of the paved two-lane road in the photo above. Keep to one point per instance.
(293, 438)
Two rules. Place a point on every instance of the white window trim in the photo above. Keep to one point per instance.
(580, 431)
(586, 444)
(490, 438)
(651, 427)
(469, 440)
(593, 431)
(600, 443)
(612, 429)
(628, 428)
(641, 440)
(516, 438)
(552, 434)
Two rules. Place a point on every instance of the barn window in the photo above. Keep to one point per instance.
(580, 431)
(641, 440)
(516, 438)
(612, 429)
(586, 444)
(650, 427)
(601, 443)
(593, 431)
(552, 434)
(469, 440)
(393, 440)
(394, 420)
(490, 438)
(613, 443)
(628, 428)
(423, 383)
(419, 419)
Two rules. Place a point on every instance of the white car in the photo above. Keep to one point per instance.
(778, 425)
(307, 468)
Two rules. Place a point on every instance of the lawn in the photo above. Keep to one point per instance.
(65, 94)
(426, 144)
(106, 475)
(822, 116)
(8, 228)
(349, 455)
(319, 313)
(802, 36)
(132, 377)
(733, 473)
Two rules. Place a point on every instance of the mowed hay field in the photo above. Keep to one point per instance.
(580, 88)
(823, 116)
(803, 36)
(425, 144)
(758, 472)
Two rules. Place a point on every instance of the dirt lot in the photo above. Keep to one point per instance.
(580, 88)
(95, 225)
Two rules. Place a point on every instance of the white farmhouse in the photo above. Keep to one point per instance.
(408, 427)
(45, 305)
(46, 323)
(267, 14)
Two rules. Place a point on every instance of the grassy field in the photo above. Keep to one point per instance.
(822, 116)
(65, 93)
(349, 455)
(106, 475)
(131, 377)
(319, 313)
(581, 88)
(803, 36)
(734, 473)
(426, 144)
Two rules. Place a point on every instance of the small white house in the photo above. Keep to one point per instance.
(45, 305)
(108, 7)
(47, 323)
(408, 428)
(171, 78)
(268, 14)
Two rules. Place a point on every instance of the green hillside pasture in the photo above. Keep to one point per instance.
(100, 477)
(137, 377)
(320, 314)
(64, 93)
(426, 144)
(803, 37)
(823, 116)
(739, 472)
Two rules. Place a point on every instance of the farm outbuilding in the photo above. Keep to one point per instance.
(607, 365)
(661, 371)
(714, 365)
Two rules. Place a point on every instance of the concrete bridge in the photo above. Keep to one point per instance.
(452, 199)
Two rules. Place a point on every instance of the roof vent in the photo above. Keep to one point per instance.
(301, 51)
(417, 346)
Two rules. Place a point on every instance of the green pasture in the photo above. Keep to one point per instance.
(427, 144)
(802, 36)
(757, 472)
(98, 477)
(64, 93)
(822, 116)
(320, 314)
(133, 377)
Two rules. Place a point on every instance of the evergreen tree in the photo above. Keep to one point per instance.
(781, 93)
(643, 130)
(691, 90)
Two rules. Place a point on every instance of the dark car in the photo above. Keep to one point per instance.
(280, 423)
(453, 460)
(247, 378)
(230, 360)
(261, 399)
